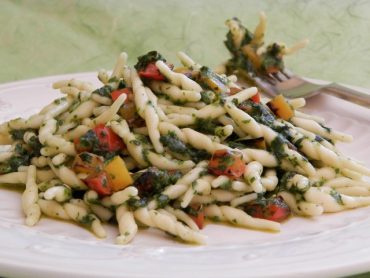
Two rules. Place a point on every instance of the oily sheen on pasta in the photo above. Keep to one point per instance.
(167, 148)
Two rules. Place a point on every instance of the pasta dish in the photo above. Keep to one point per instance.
(171, 147)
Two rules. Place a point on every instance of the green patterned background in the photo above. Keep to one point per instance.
(46, 37)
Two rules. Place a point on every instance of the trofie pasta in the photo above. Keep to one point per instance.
(169, 147)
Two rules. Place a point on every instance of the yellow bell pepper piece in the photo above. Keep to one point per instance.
(118, 173)
(281, 107)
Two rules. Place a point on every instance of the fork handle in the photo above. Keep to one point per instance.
(353, 95)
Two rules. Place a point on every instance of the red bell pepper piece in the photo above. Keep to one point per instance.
(274, 209)
(256, 98)
(152, 72)
(199, 219)
(228, 163)
(115, 94)
(108, 140)
(100, 183)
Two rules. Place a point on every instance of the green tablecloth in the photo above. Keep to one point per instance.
(49, 37)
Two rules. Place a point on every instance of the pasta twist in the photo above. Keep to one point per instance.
(182, 185)
(152, 123)
(178, 79)
(243, 199)
(314, 127)
(183, 217)
(30, 197)
(141, 97)
(174, 92)
(243, 120)
(333, 201)
(81, 215)
(53, 209)
(252, 175)
(118, 68)
(292, 156)
(126, 225)
(59, 193)
(134, 147)
(200, 186)
(239, 218)
(162, 221)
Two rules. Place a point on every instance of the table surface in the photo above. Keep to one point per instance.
(47, 37)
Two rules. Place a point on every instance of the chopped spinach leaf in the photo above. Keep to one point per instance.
(136, 203)
(17, 134)
(277, 147)
(35, 145)
(172, 142)
(260, 112)
(153, 181)
(89, 140)
(87, 219)
(283, 130)
(104, 91)
(272, 58)
(175, 145)
(86, 157)
(21, 157)
(162, 200)
(150, 57)
(283, 180)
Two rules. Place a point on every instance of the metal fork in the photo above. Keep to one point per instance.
(293, 86)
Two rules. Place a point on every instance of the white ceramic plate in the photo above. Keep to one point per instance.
(328, 246)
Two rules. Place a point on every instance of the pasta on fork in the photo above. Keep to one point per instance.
(168, 147)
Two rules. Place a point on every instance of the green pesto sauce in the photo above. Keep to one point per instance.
(260, 113)
(174, 144)
(277, 147)
(21, 157)
(205, 125)
(208, 97)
